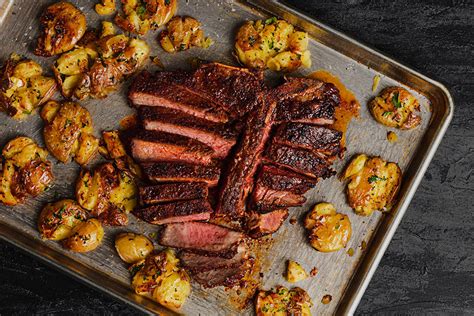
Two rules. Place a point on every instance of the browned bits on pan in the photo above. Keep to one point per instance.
(392, 137)
(326, 299)
(293, 220)
(350, 252)
(314, 271)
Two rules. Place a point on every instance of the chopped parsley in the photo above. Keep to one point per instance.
(271, 20)
(375, 178)
(396, 101)
(387, 113)
(167, 2)
(141, 10)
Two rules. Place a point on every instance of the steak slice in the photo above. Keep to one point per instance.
(259, 224)
(165, 89)
(196, 263)
(175, 212)
(312, 137)
(299, 160)
(168, 192)
(202, 238)
(228, 277)
(278, 188)
(160, 146)
(239, 178)
(181, 172)
(234, 89)
(220, 137)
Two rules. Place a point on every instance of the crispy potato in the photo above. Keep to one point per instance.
(329, 230)
(140, 16)
(57, 220)
(114, 149)
(396, 107)
(133, 247)
(62, 25)
(105, 7)
(272, 44)
(173, 290)
(25, 171)
(282, 302)
(108, 29)
(23, 87)
(295, 272)
(183, 33)
(85, 236)
(68, 132)
(373, 184)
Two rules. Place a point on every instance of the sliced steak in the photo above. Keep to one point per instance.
(196, 263)
(259, 224)
(312, 137)
(181, 172)
(220, 137)
(165, 89)
(278, 188)
(239, 178)
(202, 238)
(228, 277)
(299, 160)
(168, 192)
(175, 212)
(159, 146)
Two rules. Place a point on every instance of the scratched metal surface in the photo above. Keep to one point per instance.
(220, 20)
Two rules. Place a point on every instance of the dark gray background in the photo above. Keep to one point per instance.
(429, 266)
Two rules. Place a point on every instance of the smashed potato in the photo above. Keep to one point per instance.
(373, 184)
(25, 171)
(295, 272)
(108, 193)
(113, 149)
(183, 33)
(85, 236)
(282, 302)
(272, 44)
(105, 7)
(160, 276)
(396, 107)
(23, 87)
(140, 16)
(62, 25)
(132, 247)
(329, 230)
(57, 220)
(68, 132)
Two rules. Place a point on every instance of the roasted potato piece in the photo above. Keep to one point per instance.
(282, 302)
(373, 185)
(114, 149)
(173, 290)
(272, 44)
(105, 7)
(62, 25)
(133, 247)
(57, 220)
(68, 132)
(23, 87)
(85, 236)
(328, 230)
(295, 272)
(139, 16)
(108, 29)
(183, 33)
(396, 107)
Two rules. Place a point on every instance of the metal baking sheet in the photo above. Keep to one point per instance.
(340, 275)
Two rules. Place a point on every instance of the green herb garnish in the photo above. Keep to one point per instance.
(375, 178)
(396, 101)
(271, 20)
(141, 10)
(387, 113)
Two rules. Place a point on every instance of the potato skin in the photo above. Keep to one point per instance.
(396, 107)
(181, 34)
(85, 236)
(105, 7)
(374, 184)
(281, 301)
(132, 247)
(63, 25)
(57, 220)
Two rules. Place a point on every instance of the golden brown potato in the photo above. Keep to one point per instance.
(62, 25)
(25, 171)
(85, 236)
(23, 87)
(295, 272)
(272, 44)
(113, 149)
(132, 247)
(140, 16)
(183, 33)
(105, 7)
(282, 302)
(373, 184)
(68, 132)
(173, 290)
(108, 193)
(396, 107)
(57, 220)
(329, 230)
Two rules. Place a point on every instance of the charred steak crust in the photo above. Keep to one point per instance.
(167, 192)
(228, 277)
(181, 172)
(196, 263)
(259, 224)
